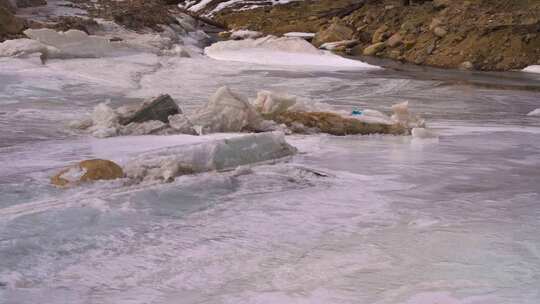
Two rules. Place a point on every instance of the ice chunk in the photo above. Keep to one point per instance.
(337, 45)
(534, 113)
(143, 128)
(181, 124)
(286, 51)
(105, 121)
(271, 104)
(245, 34)
(23, 47)
(303, 35)
(73, 43)
(374, 116)
(226, 111)
(423, 133)
(225, 154)
(404, 117)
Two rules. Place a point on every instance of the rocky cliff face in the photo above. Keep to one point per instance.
(473, 34)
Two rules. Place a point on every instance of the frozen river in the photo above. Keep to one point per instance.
(392, 220)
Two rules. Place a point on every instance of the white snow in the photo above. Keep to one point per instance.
(534, 112)
(198, 5)
(283, 51)
(303, 35)
(532, 69)
(245, 34)
(330, 46)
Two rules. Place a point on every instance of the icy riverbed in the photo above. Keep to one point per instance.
(356, 219)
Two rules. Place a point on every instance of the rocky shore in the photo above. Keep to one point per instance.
(489, 35)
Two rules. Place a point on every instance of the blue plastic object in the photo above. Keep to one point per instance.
(356, 112)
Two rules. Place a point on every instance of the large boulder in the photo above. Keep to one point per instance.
(335, 32)
(87, 171)
(159, 108)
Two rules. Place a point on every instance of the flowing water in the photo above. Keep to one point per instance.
(390, 219)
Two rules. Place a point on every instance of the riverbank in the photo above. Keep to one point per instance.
(481, 35)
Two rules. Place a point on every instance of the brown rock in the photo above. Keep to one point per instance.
(394, 40)
(440, 32)
(335, 124)
(88, 171)
(336, 32)
(10, 26)
(380, 34)
(374, 49)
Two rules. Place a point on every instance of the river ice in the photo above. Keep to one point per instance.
(356, 219)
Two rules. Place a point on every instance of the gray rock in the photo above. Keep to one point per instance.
(159, 108)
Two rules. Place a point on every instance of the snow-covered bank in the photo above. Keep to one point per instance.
(532, 69)
(284, 51)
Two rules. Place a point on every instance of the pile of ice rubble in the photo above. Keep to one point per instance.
(111, 39)
(237, 152)
(227, 111)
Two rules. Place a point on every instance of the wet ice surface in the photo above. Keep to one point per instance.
(394, 219)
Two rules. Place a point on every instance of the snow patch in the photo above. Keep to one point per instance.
(534, 112)
(285, 51)
(532, 69)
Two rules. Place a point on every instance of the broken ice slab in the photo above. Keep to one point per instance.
(168, 163)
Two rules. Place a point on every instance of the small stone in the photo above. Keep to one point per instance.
(436, 22)
(88, 171)
(380, 34)
(431, 48)
(374, 49)
(335, 32)
(394, 40)
(467, 65)
(440, 32)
